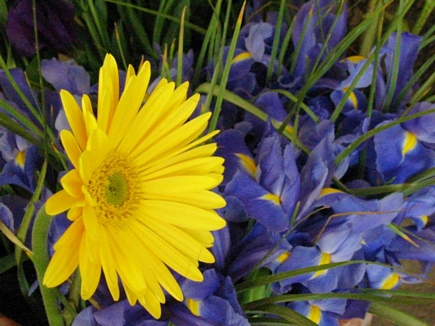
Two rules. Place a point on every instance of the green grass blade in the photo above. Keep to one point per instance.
(193, 27)
(40, 261)
(3, 13)
(207, 88)
(396, 316)
(130, 18)
(287, 314)
(429, 6)
(331, 58)
(370, 35)
(351, 88)
(17, 89)
(180, 53)
(228, 62)
(348, 150)
(7, 262)
(276, 41)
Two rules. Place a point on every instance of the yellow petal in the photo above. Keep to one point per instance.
(88, 115)
(172, 113)
(72, 183)
(91, 222)
(188, 189)
(131, 295)
(148, 116)
(151, 304)
(129, 104)
(183, 215)
(178, 97)
(108, 264)
(74, 213)
(192, 154)
(127, 264)
(204, 237)
(168, 254)
(66, 258)
(108, 92)
(180, 183)
(199, 166)
(180, 240)
(90, 160)
(90, 271)
(71, 147)
(60, 202)
(156, 271)
(75, 117)
(145, 153)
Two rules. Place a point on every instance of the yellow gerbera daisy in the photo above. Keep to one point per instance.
(140, 192)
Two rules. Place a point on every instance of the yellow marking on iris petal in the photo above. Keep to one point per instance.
(20, 159)
(283, 257)
(288, 129)
(425, 219)
(242, 56)
(273, 198)
(248, 163)
(315, 314)
(193, 306)
(409, 143)
(352, 97)
(325, 258)
(390, 282)
(355, 58)
(329, 191)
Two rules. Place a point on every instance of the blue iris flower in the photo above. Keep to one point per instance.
(356, 100)
(55, 25)
(214, 300)
(269, 191)
(407, 55)
(312, 23)
(324, 312)
(22, 160)
(334, 245)
(401, 153)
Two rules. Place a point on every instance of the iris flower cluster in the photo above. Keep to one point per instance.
(326, 199)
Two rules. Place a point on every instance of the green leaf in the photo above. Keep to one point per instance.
(396, 316)
(40, 261)
(429, 6)
(177, 20)
(7, 262)
(287, 314)
(3, 13)
(349, 149)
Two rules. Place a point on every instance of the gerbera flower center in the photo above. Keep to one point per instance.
(117, 189)
(114, 187)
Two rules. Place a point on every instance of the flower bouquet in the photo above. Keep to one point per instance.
(225, 163)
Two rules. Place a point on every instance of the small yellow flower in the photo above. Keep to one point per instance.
(139, 194)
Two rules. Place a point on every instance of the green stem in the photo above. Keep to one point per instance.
(399, 318)
(370, 34)
(429, 6)
(40, 260)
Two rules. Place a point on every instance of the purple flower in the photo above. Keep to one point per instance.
(313, 22)
(400, 154)
(66, 75)
(322, 312)
(22, 161)
(406, 57)
(214, 300)
(55, 21)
